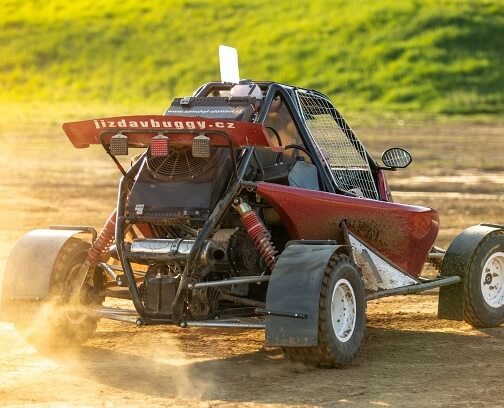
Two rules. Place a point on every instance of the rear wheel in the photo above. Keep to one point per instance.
(484, 284)
(342, 317)
(66, 318)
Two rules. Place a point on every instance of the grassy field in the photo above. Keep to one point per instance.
(427, 56)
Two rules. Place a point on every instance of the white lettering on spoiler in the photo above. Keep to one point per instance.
(161, 124)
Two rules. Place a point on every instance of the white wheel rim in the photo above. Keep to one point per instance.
(343, 310)
(492, 280)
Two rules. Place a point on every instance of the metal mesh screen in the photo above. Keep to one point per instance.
(343, 153)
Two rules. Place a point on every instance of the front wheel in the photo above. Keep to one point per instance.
(342, 317)
(484, 284)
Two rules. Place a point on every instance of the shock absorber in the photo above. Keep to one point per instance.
(259, 234)
(103, 241)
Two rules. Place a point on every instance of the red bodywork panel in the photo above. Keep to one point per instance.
(88, 132)
(404, 234)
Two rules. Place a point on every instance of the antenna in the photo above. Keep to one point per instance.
(229, 69)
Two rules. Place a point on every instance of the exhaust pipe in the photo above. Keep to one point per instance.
(173, 250)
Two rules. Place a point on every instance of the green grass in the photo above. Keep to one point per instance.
(426, 56)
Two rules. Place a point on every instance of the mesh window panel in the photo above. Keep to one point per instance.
(344, 155)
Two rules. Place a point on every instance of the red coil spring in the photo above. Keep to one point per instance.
(261, 237)
(102, 243)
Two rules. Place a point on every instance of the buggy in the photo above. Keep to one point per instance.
(252, 205)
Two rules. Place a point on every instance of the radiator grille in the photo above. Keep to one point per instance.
(179, 162)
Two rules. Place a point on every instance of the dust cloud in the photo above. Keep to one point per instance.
(158, 361)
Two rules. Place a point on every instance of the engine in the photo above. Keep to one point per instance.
(229, 253)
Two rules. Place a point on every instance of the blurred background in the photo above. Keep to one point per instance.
(425, 75)
(429, 57)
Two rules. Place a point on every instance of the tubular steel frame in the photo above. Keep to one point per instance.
(219, 211)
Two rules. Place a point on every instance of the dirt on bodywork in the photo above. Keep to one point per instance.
(409, 357)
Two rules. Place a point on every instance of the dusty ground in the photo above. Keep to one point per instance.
(409, 358)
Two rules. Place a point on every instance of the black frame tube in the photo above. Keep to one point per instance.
(219, 211)
(407, 290)
(287, 95)
(120, 233)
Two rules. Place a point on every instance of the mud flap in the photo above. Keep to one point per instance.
(292, 301)
(27, 277)
(456, 260)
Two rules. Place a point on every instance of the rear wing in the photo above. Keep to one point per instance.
(180, 129)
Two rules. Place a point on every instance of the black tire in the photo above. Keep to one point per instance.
(481, 311)
(332, 351)
(59, 322)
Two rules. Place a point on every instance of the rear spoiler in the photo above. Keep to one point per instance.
(180, 129)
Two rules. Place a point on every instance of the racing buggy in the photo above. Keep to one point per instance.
(253, 205)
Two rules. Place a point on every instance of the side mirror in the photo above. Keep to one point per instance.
(396, 158)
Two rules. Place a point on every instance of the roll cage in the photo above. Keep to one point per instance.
(330, 179)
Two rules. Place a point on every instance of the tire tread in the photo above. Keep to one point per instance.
(323, 354)
(473, 316)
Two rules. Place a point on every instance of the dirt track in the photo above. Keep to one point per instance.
(409, 358)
